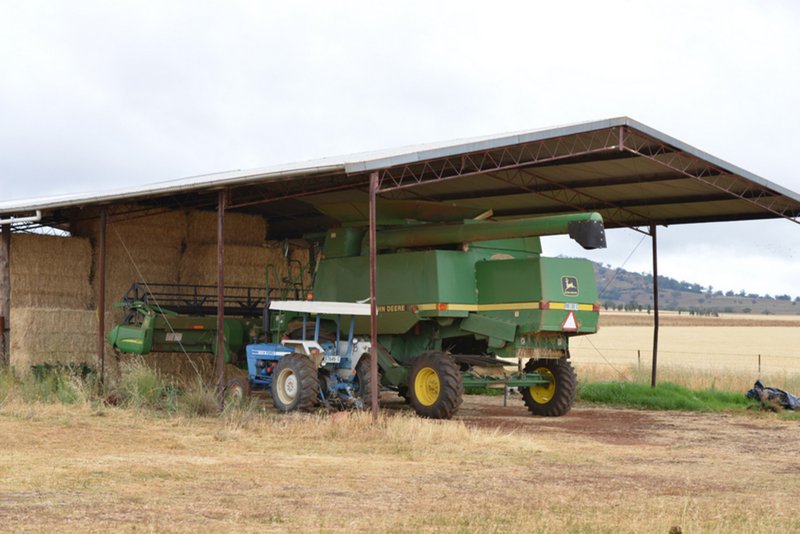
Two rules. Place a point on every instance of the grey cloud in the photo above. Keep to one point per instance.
(100, 94)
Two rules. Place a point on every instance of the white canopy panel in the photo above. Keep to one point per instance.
(320, 307)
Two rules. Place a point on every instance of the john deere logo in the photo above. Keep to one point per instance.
(569, 286)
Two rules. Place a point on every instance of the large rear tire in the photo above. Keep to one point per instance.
(556, 398)
(435, 385)
(295, 384)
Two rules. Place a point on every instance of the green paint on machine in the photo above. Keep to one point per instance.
(478, 289)
(455, 301)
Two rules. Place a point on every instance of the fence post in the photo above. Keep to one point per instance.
(639, 356)
(759, 366)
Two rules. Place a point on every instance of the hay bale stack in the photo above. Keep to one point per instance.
(51, 272)
(141, 246)
(244, 265)
(52, 335)
(285, 271)
(183, 369)
(144, 249)
(178, 368)
(240, 228)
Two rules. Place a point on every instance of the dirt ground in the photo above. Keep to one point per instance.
(492, 469)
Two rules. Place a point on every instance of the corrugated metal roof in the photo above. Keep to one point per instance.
(348, 163)
(629, 189)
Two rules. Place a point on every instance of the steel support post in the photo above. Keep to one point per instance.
(373, 312)
(101, 295)
(5, 296)
(655, 304)
(220, 357)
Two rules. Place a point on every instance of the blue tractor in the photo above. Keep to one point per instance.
(305, 370)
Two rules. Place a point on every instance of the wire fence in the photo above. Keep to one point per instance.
(625, 358)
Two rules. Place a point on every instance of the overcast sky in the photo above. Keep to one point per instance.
(99, 94)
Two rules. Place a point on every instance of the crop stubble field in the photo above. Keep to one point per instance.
(492, 469)
(727, 344)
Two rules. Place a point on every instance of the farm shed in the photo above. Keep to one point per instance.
(62, 289)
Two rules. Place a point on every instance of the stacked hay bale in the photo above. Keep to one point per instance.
(52, 320)
(51, 272)
(52, 335)
(244, 237)
(240, 228)
(142, 245)
(54, 280)
(198, 265)
(247, 253)
(179, 368)
(246, 265)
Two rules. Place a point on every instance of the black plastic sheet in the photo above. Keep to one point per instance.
(763, 393)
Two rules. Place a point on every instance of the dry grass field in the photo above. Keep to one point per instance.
(88, 467)
(493, 469)
(696, 351)
(671, 318)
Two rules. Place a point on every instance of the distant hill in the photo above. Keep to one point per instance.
(620, 288)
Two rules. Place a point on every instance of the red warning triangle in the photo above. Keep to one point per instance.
(570, 324)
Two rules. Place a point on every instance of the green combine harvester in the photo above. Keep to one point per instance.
(470, 304)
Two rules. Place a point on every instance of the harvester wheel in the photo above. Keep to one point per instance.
(556, 398)
(295, 383)
(364, 380)
(436, 386)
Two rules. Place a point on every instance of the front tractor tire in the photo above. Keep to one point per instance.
(556, 398)
(364, 385)
(295, 384)
(435, 385)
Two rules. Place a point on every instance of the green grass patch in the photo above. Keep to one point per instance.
(199, 399)
(51, 384)
(8, 382)
(663, 397)
(141, 386)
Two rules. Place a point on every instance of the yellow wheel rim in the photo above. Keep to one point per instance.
(427, 386)
(544, 394)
